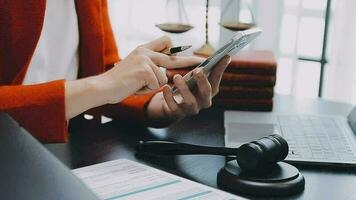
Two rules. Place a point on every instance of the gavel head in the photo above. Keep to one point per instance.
(262, 154)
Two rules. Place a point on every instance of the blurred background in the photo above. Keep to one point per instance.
(313, 40)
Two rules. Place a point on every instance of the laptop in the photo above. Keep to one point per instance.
(312, 139)
(29, 171)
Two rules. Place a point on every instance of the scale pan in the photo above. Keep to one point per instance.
(236, 26)
(174, 28)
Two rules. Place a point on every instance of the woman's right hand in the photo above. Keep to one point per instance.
(139, 72)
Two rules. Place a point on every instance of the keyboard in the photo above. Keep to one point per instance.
(316, 138)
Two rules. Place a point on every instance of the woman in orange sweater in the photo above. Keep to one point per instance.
(58, 59)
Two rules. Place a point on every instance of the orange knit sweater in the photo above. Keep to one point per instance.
(41, 108)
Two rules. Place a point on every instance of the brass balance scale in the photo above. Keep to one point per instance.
(236, 16)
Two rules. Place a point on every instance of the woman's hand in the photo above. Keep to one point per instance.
(164, 108)
(138, 73)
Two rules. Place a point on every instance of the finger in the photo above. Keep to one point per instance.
(159, 44)
(160, 75)
(172, 62)
(171, 103)
(204, 88)
(216, 74)
(152, 81)
(190, 104)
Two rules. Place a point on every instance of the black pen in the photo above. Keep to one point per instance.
(174, 50)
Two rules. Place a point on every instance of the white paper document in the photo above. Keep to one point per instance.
(125, 179)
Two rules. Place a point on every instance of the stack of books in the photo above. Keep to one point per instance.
(248, 82)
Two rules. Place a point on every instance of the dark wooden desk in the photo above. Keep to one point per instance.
(114, 140)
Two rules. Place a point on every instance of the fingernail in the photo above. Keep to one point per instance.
(167, 88)
(228, 59)
(196, 71)
(175, 76)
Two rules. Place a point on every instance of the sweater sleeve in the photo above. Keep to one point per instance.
(39, 108)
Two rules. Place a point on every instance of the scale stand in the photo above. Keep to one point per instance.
(207, 49)
(280, 180)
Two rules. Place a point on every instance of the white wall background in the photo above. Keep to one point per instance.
(341, 72)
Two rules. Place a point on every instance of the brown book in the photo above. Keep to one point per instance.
(236, 92)
(248, 80)
(253, 62)
(244, 104)
(235, 79)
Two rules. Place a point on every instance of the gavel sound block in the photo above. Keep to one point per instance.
(258, 170)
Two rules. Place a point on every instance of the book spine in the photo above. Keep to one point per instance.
(254, 62)
(244, 105)
(247, 70)
(248, 80)
(236, 92)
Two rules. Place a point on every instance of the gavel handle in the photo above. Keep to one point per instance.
(174, 148)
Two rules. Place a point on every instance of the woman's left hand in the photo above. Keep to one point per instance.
(163, 107)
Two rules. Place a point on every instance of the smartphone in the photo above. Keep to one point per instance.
(238, 42)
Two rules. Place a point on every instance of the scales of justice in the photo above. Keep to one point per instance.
(236, 16)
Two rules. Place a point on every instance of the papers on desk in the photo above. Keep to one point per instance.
(125, 179)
